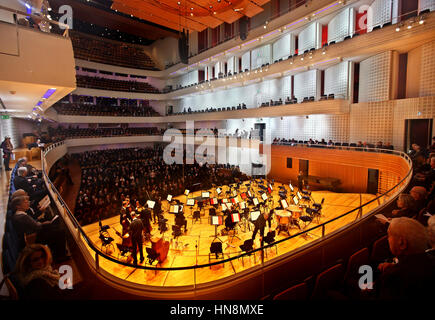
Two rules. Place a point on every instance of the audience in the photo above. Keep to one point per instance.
(115, 85)
(38, 280)
(110, 176)
(76, 109)
(47, 232)
(413, 276)
(33, 186)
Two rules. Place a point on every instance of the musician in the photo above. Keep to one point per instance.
(157, 209)
(260, 224)
(229, 224)
(136, 229)
(181, 221)
(145, 216)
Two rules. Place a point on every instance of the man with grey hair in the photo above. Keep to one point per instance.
(431, 235)
(413, 276)
(21, 181)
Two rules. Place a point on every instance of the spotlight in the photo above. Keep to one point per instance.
(397, 29)
(264, 26)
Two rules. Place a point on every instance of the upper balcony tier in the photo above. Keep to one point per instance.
(36, 68)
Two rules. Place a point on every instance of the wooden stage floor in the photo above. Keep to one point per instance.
(201, 234)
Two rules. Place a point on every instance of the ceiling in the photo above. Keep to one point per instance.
(194, 15)
(94, 12)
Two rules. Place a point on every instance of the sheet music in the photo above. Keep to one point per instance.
(169, 198)
(255, 215)
(236, 217)
(296, 200)
(284, 204)
(291, 187)
(382, 218)
(190, 202)
(243, 205)
(264, 196)
(255, 200)
(44, 203)
(186, 192)
(218, 190)
(151, 204)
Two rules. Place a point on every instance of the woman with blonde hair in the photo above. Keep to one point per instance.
(35, 274)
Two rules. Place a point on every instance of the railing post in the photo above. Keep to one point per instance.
(97, 261)
(323, 230)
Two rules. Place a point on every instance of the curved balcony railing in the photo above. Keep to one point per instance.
(191, 283)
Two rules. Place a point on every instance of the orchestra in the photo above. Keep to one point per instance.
(248, 206)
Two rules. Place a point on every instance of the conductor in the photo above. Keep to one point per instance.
(136, 229)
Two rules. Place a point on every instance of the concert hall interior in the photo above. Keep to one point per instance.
(217, 150)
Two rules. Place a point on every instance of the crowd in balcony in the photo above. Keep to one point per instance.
(60, 133)
(114, 85)
(110, 52)
(240, 106)
(87, 109)
(322, 143)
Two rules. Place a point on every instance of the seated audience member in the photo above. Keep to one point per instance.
(48, 232)
(38, 280)
(427, 177)
(21, 181)
(431, 235)
(419, 194)
(413, 276)
(35, 211)
(406, 207)
(31, 170)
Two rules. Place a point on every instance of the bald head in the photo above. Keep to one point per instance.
(418, 193)
(431, 231)
(407, 236)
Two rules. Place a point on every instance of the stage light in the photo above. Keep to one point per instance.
(397, 29)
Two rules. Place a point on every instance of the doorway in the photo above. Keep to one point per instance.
(372, 181)
(261, 127)
(418, 131)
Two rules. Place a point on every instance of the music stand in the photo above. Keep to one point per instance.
(235, 218)
(190, 203)
(216, 221)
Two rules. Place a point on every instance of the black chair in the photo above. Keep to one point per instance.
(162, 225)
(123, 250)
(331, 96)
(269, 239)
(196, 216)
(424, 11)
(216, 250)
(247, 246)
(212, 211)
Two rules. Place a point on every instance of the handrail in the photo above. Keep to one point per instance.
(98, 252)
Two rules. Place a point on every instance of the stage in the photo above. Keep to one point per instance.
(193, 247)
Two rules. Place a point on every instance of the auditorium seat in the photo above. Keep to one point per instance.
(327, 280)
(380, 251)
(296, 292)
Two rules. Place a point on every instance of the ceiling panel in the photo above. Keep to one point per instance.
(196, 15)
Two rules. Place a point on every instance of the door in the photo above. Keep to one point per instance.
(261, 127)
(418, 131)
(303, 166)
(372, 181)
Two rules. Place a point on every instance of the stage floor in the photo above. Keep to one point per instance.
(200, 234)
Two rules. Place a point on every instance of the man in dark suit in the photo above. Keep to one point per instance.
(22, 182)
(136, 229)
(260, 224)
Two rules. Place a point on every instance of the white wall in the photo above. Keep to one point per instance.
(340, 26)
(252, 95)
(337, 80)
(260, 56)
(306, 84)
(231, 65)
(381, 12)
(164, 51)
(246, 61)
(189, 78)
(283, 47)
(374, 80)
(309, 38)
(427, 4)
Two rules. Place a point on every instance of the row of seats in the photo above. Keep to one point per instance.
(115, 85)
(190, 111)
(109, 52)
(339, 280)
(86, 109)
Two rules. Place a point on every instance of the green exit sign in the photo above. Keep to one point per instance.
(5, 116)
